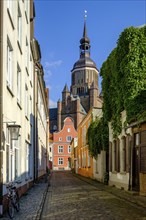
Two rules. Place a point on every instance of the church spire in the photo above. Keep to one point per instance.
(85, 29)
(85, 42)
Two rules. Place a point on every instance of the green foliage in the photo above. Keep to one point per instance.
(123, 88)
(97, 135)
(124, 79)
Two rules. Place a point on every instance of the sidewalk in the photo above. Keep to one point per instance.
(130, 196)
(32, 202)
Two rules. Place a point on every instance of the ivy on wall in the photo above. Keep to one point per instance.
(123, 87)
(97, 136)
(124, 79)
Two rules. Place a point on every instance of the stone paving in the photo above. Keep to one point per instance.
(31, 203)
(72, 197)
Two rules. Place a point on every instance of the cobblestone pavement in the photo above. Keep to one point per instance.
(31, 203)
(72, 197)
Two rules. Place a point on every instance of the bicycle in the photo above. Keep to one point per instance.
(13, 199)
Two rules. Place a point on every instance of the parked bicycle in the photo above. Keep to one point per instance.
(13, 199)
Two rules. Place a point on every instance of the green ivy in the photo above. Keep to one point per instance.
(97, 136)
(124, 79)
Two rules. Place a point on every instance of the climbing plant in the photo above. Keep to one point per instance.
(123, 87)
(124, 79)
(97, 136)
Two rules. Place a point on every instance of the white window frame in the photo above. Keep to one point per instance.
(60, 161)
(18, 84)
(60, 149)
(27, 9)
(68, 130)
(8, 151)
(17, 144)
(60, 138)
(10, 6)
(31, 70)
(26, 102)
(27, 56)
(9, 65)
(19, 25)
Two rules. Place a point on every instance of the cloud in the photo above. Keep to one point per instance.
(52, 104)
(53, 63)
(48, 73)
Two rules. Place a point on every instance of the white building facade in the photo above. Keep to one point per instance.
(21, 160)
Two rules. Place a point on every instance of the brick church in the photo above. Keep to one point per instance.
(83, 93)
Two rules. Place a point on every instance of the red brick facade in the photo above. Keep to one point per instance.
(62, 146)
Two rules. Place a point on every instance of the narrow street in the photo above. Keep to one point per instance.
(72, 198)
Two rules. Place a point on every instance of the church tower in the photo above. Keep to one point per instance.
(84, 92)
(85, 75)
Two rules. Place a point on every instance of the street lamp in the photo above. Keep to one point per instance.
(14, 131)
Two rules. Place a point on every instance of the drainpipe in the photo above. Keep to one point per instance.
(1, 108)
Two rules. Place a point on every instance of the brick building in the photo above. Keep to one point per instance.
(61, 145)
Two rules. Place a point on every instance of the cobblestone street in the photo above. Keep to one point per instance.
(31, 203)
(72, 198)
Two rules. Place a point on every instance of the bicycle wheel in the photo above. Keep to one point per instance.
(17, 203)
(11, 209)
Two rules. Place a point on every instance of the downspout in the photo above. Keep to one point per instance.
(1, 108)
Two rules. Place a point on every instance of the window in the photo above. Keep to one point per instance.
(18, 84)
(31, 71)
(60, 149)
(19, 26)
(60, 138)
(60, 161)
(69, 149)
(27, 56)
(116, 156)
(9, 6)
(68, 130)
(31, 110)
(28, 160)
(7, 163)
(9, 64)
(27, 9)
(68, 138)
(26, 102)
(84, 135)
(17, 159)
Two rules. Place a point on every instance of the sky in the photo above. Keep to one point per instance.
(59, 28)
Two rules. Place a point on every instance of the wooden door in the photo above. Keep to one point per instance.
(136, 168)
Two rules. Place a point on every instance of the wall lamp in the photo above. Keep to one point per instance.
(14, 130)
